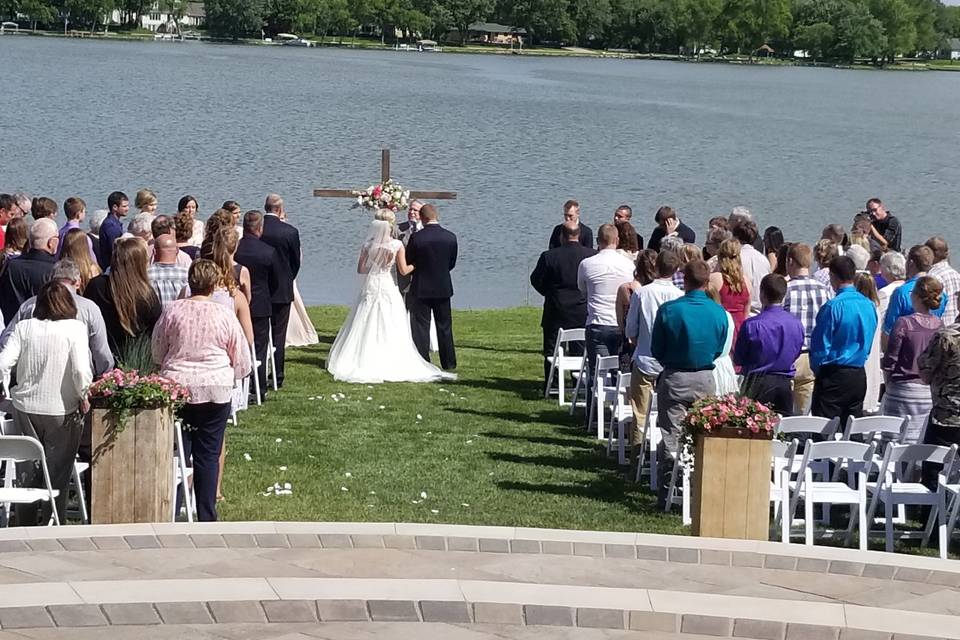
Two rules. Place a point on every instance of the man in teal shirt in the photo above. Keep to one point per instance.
(688, 335)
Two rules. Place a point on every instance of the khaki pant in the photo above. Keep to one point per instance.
(803, 385)
(641, 394)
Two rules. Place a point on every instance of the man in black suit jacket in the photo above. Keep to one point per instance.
(285, 239)
(23, 277)
(411, 226)
(261, 261)
(555, 278)
(571, 215)
(433, 253)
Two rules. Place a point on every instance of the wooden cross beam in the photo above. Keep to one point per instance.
(384, 176)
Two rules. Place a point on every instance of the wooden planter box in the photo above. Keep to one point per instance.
(131, 472)
(731, 486)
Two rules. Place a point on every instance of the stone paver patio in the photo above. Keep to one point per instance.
(342, 580)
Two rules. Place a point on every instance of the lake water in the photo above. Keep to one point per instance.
(515, 136)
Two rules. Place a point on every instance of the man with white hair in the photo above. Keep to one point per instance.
(93, 222)
(23, 277)
(24, 203)
(893, 267)
(860, 257)
(67, 273)
(142, 227)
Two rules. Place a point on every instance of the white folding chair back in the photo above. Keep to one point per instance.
(813, 425)
(15, 449)
(562, 363)
(271, 361)
(649, 441)
(782, 459)
(603, 392)
(255, 375)
(887, 428)
(621, 416)
(182, 478)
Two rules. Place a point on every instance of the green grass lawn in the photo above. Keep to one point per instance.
(486, 449)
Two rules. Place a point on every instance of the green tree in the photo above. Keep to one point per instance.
(897, 18)
(234, 18)
(334, 17)
(462, 13)
(696, 22)
(817, 39)
(859, 34)
(591, 18)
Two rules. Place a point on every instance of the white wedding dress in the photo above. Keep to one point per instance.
(374, 344)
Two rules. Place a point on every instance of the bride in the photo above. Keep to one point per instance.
(374, 344)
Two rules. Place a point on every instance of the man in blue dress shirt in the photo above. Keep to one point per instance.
(689, 333)
(112, 228)
(919, 261)
(840, 345)
(767, 347)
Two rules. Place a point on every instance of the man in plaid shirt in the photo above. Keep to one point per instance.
(805, 295)
(947, 275)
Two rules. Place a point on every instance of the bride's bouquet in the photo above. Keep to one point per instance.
(388, 195)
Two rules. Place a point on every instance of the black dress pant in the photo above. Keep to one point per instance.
(772, 390)
(839, 392)
(60, 437)
(204, 425)
(278, 323)
(420, 310)
(261, 339)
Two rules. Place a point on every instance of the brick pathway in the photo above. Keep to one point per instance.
(300, 580)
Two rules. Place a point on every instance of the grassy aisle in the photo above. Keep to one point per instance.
(486, 449)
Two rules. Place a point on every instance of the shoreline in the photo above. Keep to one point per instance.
(568, 52)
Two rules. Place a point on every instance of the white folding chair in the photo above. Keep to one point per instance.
(182, 478)
(893, 486)
(782, 456)
(603, 391)
(14, 449)
(561, 363)
(271, 361)
(826, 491)
(581, 387)
(621, 415)
(649, 441)
(679, 495)
(254, 375)
(949, 510)
(867, 428)
(823, 428)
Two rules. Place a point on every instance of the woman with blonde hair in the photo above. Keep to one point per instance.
(146, 201)
(731, 285)
(127, 300)
(76, 247)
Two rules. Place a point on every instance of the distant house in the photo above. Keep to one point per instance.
(492, 33)
(157, 20)
(952, 50)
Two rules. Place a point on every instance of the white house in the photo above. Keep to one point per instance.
(156, 19)
(952, 50)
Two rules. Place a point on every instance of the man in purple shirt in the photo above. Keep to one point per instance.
(767, 348)
(76, 210)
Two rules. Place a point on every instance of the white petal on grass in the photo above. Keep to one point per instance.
(282, 468)
(464, 504)
(443, 390)
(469, 441)
(247, 457)
(369, 398)
(423, 495)
(278, 440)
(429, 433)
(419, 417)
(382, 407)
(287, 485)
(344, 489)
(348, 475)
(373, 493)
(434, 510)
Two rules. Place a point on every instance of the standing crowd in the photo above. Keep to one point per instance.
(196, 301)
(847, 326)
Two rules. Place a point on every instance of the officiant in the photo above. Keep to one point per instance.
(406, 231)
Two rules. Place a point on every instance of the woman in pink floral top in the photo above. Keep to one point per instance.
(199, 343)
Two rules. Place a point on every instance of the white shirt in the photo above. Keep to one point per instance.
(755, 266)
(599, 277)
(53, 365)
(644, 304)
(884, 296)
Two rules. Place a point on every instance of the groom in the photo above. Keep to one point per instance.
(433, 251)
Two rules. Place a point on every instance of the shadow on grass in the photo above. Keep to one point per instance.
(501, 349)
(582, 461)
(609, 488)
(524, 389)
(559, 442)
(553, 418)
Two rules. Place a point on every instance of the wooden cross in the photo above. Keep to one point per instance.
(384, 176)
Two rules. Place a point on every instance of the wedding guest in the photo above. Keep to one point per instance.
(183, 230)
(772, 243)
(885, 230)
(146, 201)
(836, 234)
(189, 206)
(668, 224)
(768, 347)
(555, 278)
(688, 335)
(824, 252)
(117, 206)
(644, 305)
(260, 259)
(233, 208)
(731, 284)
(906, 393)
(644, 272)
(75, 210)
(66, 272)
(782, 254)
(754, 263)
(167, 276)
(742, 215)
(15, 240)
(860, 257)
(860, 231)
(75, 248)
(571, 215)
(221, 219)
(624, 213)
(233, 289)
(687, 253)
(919, 261)
(871, 399)
(24, 202)
(627, 241)
(8, 210)
(23, 277)
(93, 224)
(947, 275)
(676, 245)
(840, 346)
(141, 226)
(804, 297)
(939, 366)
(52, 360)
(163, 226)
(874, 268)
(285, 239)
(715, 237)
(43, 207)
(199, 344)
(893, 266)
(129, 305)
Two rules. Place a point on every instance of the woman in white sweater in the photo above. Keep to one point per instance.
(52, 357)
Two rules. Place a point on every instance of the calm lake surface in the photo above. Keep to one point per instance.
(514, 136)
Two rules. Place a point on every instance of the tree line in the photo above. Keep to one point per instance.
(844, 30)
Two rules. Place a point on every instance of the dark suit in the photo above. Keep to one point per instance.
(564, 305)
(403, 282)
(586, 236)
(261, 261)
(21, 278)
(285, 239)
(433, 251)
(686, 234)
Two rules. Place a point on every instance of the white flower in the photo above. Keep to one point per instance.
(344, 489)
(382, 407)
(423, 494)
(464, 504)
(373, 493)
(348, 475)
(279, 440)
(287, 485)
(369, 398)
(283, 468)
(419, 417)
(469, 441)
(434, 510)
(247, 457)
